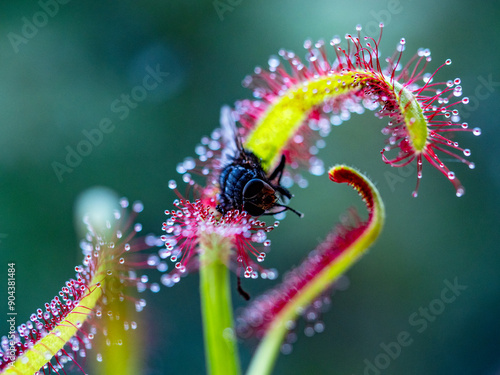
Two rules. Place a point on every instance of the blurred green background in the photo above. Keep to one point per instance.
(64, 79)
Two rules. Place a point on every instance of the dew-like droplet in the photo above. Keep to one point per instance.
(153, 260)
(273, 62)
(309, 331)
(155, 287)
(165, 253)
(427, 78)
(167, 280)
(286, 348)
(319, 327)
(272, 274)
(189, 163)
(172, 184)
(476, 131)
(162, 267)
(138, 206)
(124, 202)
(180, 168)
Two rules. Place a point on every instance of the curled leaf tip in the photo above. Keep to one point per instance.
(269, 316)
(343, 174)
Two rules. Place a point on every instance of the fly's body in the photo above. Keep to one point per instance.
(244, 185)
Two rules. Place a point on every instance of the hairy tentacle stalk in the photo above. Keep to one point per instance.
(47, 347)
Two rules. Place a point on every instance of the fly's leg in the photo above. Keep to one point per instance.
(278, 172)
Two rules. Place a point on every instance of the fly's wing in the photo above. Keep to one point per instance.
(231, 144)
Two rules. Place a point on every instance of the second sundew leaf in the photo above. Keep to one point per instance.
(91, 304)
(270, 315)
(48, 346)
(294, 101)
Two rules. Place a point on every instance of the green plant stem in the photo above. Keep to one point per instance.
(220, 342)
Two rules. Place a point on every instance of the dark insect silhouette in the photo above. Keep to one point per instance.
(245, 186)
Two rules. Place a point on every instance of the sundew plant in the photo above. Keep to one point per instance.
(242, 175)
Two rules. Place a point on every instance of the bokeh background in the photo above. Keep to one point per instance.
(63, 80)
